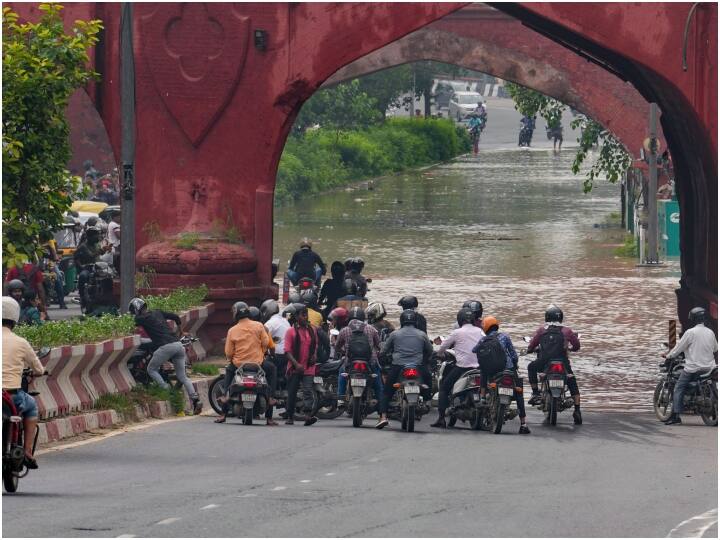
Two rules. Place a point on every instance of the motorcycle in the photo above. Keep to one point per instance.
(98, 272)
(13, 434)
(525, 136)
(464, 400)
(700, 397)
(500, 393)
(361, 398)
(248, 394)
(138, 362)
(328, 372)
(411, 402)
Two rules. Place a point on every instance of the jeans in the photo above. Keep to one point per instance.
(538, 365)
(685, 378)
(294, 277)
(298, 380)
(171, 352)
(83, 278)
(343, 381)
(449, 380)
(271, 374)
(25, 404)
(393, 376)
(60, 286)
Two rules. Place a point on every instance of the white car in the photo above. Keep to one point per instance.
(463, 103)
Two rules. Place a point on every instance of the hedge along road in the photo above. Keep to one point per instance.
(619, 474)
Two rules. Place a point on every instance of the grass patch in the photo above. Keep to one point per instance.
(179, 300)
(629, 248)
(187, 240)
(122, 403)
(76, 332)
(142, 396)
(206, 369)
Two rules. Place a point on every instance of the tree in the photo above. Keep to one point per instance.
(42, 67)
(530, 103)
(387, 86)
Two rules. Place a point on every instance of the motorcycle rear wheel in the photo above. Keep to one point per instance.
(552, 413)
(476, 420)
(215, 391)
(248, 417)
(452, 420)
(499, 418)
(357, 412)
(711, 418)
(663, 408)
(403, 416)
(410, 418)
(10, 481)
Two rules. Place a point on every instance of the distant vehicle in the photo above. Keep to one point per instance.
(462, 104)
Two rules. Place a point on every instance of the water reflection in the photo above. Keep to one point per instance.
(513, 229)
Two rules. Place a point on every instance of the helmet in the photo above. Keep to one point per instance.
(289, 312)
(91, 221)
(337, 269)
(339, 317)
(305, 243)
(696, 315)
(10, 309)
(300, 308)
(14, 284)
(357, 314)
(294, 297)
(254, 313)
(489, 322)
(375, 312)
(357, 264)
(350, 287)
(240, 310)
(308, 297)
(269, 308)
(475, 306)
(408, 317)
(408, 302)
(136, 305)
(553, 314)
(465, 316)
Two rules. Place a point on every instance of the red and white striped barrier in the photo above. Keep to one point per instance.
(80, 374)
(192, 320)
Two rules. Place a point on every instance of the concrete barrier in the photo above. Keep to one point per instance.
(192, 320)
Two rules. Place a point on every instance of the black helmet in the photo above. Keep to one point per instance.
(408, 302)
(300, 308)
(357, 264)
(553, 314)
(289, 312)
(356, 313)
(350, 287)
(294, 298)
(91, 222)
(14, 284)
(337, 269)
(465, 316)
(696, 315)
(136, 305)
(269, 308)
(254, 313)
(308, 297)
(475, 306)
(408, 317)
(240, 310)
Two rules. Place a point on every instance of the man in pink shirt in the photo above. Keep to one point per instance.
(301, 342)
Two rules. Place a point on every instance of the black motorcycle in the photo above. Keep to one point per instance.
(361, 398)
(249, 393)
(496, 410)
(329, 373)
(138, 362)
(525, 137)
(700, 396)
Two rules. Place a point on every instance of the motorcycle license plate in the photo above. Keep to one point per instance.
(412, 389)
(559, 383)
(505, 391)
(248, 397)
(358, 382)
(317, 380)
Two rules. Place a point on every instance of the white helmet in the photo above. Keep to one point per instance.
(375, 311)
(10, 309)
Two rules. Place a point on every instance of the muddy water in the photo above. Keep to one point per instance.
(512, 228)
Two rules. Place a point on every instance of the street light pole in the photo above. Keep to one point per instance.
(127, 107)
(652, 231)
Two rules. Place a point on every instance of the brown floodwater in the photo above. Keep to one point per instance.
(512, 228)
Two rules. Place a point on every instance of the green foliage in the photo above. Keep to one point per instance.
(42, 67)
(140, 396)
(629, 248)
(79, 331)
(179, 300)
(386, 86)
(187, 240)
(205, 369)
(319, 160)
(612, 160)
(529, 102)
(121, 403)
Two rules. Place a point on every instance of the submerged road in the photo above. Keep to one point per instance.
(619, 474)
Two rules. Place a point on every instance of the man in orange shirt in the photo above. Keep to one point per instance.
(247, 342)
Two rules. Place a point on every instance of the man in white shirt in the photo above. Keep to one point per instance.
(276, 326)
(113, 238)
(699, 345)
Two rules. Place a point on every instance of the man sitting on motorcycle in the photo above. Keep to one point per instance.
(357, 329)
(18, 354)
(353, 270)
(352, 298)
(408, 346)
(491, 326)
(699, 345)
(166, 344)
(86, 254)
(462, 340)
(376, 317)
(301, 343)
(553, 340)
(411, 302)
(247, 342)
(332, 289)
(306, 263)
(310, 299)
(277, 326)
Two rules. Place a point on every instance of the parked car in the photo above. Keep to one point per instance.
(463, 103)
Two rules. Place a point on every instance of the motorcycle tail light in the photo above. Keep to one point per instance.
(477, 380)
(557, 368)
(410, 373)
(507, 380)
(249, 382)
(359, 366)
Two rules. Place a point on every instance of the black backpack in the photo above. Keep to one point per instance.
(552, 344)
(491, 355)
(359, 346)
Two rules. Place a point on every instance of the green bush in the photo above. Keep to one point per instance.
(629, 249)
(76, 332)
(205, 369)
(179, 300)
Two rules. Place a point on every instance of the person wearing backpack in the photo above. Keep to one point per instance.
(358, 341)
(461, 340)
(553, 340)
(32, 279)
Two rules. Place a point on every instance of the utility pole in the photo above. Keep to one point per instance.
(127, 107)
(652, 230)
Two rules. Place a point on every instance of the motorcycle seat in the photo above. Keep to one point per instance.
(330, 367)
(250, 367)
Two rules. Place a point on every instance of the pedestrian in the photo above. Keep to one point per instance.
(301, 342)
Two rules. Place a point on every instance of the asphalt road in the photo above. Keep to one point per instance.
(616, 475)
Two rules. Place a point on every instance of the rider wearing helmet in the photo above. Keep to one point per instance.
(16, 290)
(477, 309)
(353, 270)
(332, 289)
(491, 327)
(301, 343)
(31, 276)
(18, 354)
(411, 302)
(407, 346)
(338, 318)
(352, 298)
(247, 342)
(310, 299)
(166, 344)
(461, 340)
(376, 317)
(87, 254)
(277, 326)
(699, 345)
(306, 263)
(545, 337)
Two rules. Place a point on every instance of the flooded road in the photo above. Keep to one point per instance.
(512, 228)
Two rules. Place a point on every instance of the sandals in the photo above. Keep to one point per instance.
(220, 420)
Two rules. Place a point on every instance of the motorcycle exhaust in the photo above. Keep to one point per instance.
(17, 457)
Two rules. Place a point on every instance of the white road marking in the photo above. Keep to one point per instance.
(127, 536)
(329, 474)
(278, 488)
(374, 460)
(305, 481)
(168, 521)
(696, 526)
(210, 506)
(244, 495)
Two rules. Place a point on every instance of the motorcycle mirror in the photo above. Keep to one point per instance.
(526, 339)
(43, 352)
(369, 280)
